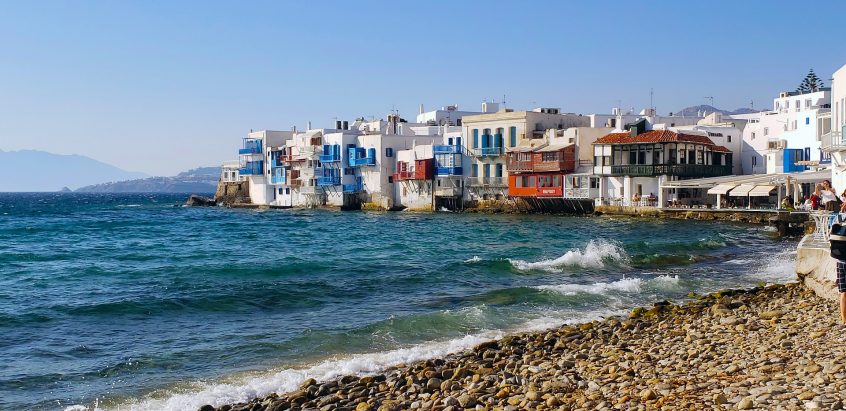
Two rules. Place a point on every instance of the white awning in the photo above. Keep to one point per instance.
(741, 190)
(721, 189)
(761, 191)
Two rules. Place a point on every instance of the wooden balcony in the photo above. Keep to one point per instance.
(680, 170)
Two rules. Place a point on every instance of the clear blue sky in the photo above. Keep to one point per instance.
(159, 86)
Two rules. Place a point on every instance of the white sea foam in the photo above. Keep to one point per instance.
(247, 388)
(594, 255)
(475, 259)
(628, 285)
(779, 268)
(289, 379)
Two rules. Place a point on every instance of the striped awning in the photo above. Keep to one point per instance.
(761, 191)
(721, 189)
(741, 190)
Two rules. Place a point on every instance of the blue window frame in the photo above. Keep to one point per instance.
(475, 138)
(512, 136)
(389, 152)
(458, 141)
(499, 170)
(807, 120)
(487, 170)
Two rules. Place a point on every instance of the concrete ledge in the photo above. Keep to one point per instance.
(816, 269)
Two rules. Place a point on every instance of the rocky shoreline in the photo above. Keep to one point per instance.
(774, 347)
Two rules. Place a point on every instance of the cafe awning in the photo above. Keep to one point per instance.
(761, 191)
(721, 189)
(741, 190)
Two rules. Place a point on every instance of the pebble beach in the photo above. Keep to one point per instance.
(773, 347)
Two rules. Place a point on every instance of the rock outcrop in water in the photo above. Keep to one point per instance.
(200, 201)
(756, 349)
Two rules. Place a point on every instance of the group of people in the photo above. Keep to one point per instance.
(825, 198)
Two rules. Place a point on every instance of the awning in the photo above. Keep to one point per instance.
(721, 189)
(741, 190)
(555, 147)
(761, 191)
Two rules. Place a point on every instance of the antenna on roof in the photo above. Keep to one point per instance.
(651, 96)
(503, 101)
(752, 104)
(710, 99)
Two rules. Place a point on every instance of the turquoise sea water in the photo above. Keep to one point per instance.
(132, 302)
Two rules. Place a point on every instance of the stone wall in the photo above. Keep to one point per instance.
(228, 194)
(816, 269)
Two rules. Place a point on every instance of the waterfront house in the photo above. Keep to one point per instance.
(788, 137)
(254, 162)
(833, 142)
(634, 165)
(490, 135)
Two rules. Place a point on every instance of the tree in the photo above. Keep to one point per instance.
(810, 84)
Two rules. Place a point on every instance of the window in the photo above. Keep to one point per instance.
(390, 179)
(474, 170)
(499, 170)
(594, 182)
(518, 181)
(766, 131)
(512, 136)
(487, 170)
(728, 138)
(349, 171)
(753, 136)
(449, 141)
(754, 161)
(475, 138)
(389, 152)
(807, 120)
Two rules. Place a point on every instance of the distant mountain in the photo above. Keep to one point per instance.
(32, 170)
(694, 111)
(199, 180)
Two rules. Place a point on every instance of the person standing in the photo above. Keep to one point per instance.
(829, 200)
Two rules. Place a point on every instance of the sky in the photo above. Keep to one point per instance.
(161, 87)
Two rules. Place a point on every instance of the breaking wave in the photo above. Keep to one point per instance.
(595, 255)
(628, 285)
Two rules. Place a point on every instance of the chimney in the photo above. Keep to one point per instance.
(421, 109)
(337, 124)
(308, 127)
(346, 125)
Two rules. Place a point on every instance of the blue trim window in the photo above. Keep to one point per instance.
(475, 138)
(389, 152)
(807, 120)
(487, 170)
(499, 170)
(512, 136)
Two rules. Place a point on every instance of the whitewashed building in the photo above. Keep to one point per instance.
(832, 138)
(776, 140)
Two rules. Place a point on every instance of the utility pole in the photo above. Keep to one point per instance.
(710, 99)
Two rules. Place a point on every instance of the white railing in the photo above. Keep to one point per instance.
(576, 193)
(832, 141)
(487, 181)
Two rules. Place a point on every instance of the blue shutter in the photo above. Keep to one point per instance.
(499, 170)
(475, 138)
(513, 136)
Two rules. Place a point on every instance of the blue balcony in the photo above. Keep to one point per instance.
(444, 149)
(353, 188)
(278, 175)
(252, 168)
(326, 181)
(331, 153)
(490, 151)
(251, 146)
(448, 171)
(358, 156)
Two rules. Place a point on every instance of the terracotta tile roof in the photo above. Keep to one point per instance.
(653, 136)
(720, 149)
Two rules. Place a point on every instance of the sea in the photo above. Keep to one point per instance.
(134, 302)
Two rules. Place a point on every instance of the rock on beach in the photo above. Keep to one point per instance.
(774, 347)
